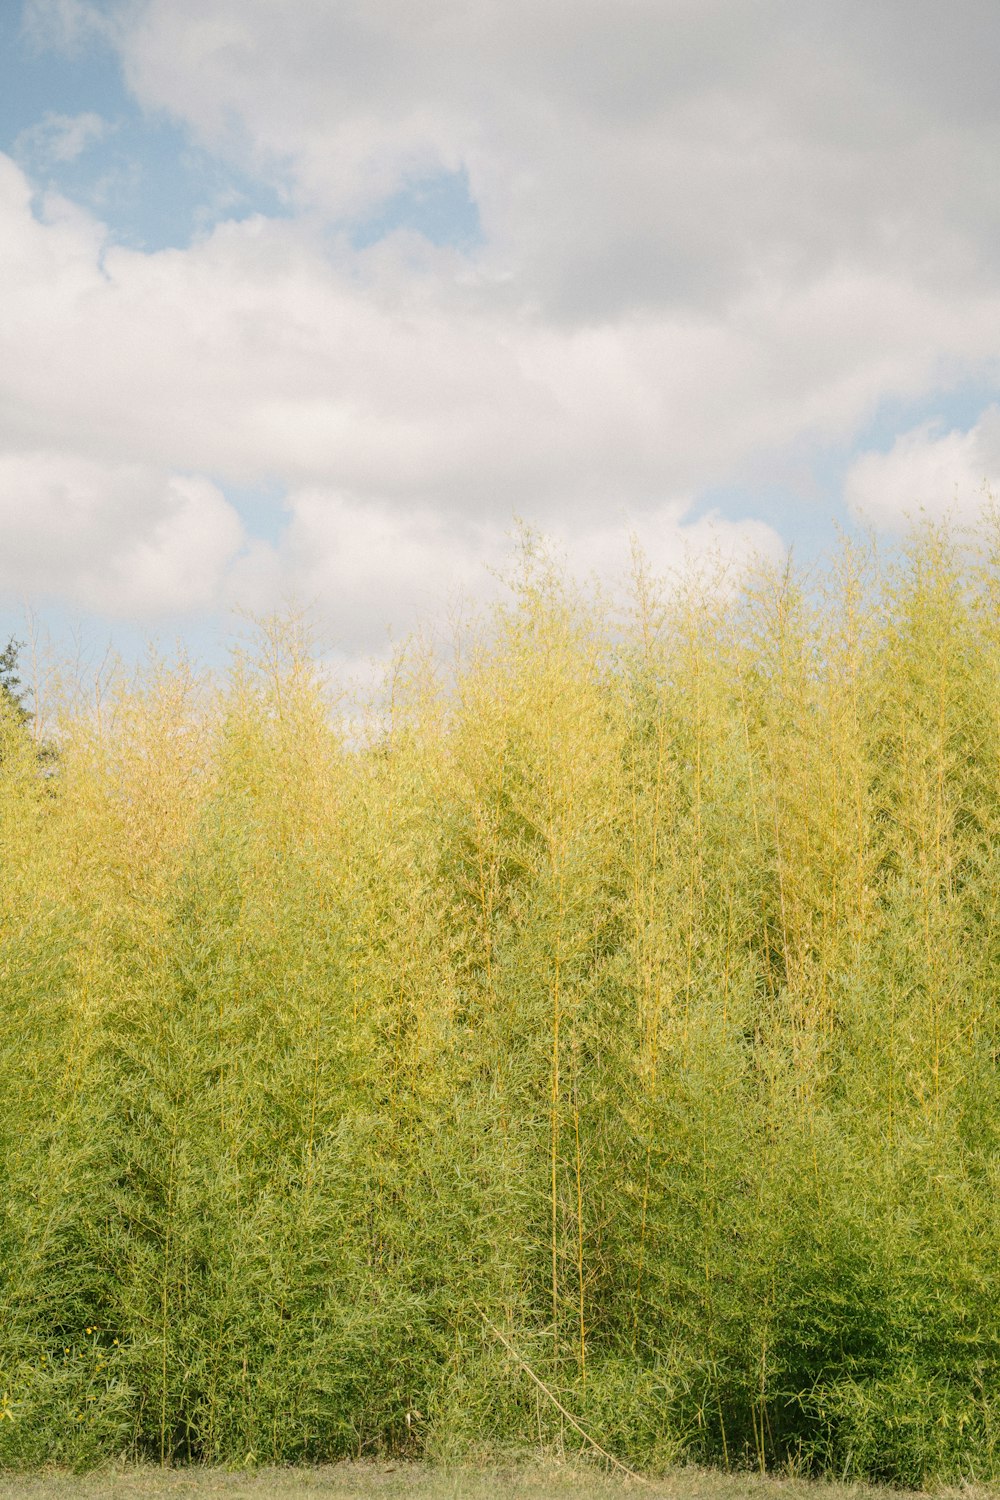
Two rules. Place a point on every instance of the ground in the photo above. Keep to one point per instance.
(388, 1481)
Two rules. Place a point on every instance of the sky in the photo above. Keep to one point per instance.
(310, 302)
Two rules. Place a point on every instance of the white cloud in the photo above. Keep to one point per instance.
(252, 355)
(711, 235)
(409, 417)
(371, 566)
(121, 540)
(666, 153)
(60, 138)
(669, 542)
(927, 470)
(368, 567)
(409, 429)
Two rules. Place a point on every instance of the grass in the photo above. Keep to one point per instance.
(537, 1480)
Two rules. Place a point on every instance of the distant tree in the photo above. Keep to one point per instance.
(11, 693)
(18, 722)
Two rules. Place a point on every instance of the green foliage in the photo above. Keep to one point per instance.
(10, 681)
(628, 988)
(13, 715)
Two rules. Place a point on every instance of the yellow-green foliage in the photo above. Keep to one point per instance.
(623, 983)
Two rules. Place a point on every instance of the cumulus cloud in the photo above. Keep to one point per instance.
(667, 154)
(927, 470)
(409, 429)
(370, 567)
(121, 540)
(710, 235)
(409, 417)
(253, 355)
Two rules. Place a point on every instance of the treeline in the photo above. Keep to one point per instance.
(625, 985)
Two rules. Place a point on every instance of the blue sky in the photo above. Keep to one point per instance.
(145, 175)
(312, 301)
(142, 175)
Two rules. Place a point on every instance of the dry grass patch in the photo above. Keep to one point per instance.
(537, 1480)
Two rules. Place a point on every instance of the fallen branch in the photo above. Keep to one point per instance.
(615, 1463)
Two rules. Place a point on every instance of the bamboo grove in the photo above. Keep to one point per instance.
(624, 984)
